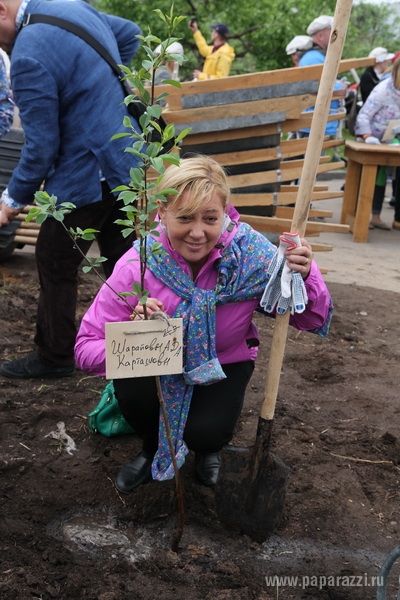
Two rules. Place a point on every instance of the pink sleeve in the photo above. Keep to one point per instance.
(90, 347)
(319, 303)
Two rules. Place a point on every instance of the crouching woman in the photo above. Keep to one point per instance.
(212, 274)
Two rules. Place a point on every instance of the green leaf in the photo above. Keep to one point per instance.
(154, 111)
(158, 164)
(32, 214)
(182, 134)
(160, 14)
(147, 64)
(120, 188)
(171, 158)
(172, 81)
(128, 197)
(41, 218)
(136, 176)
(88, 236)
(157, 246)
(116, 136)
(137, 289)
(126, 232)
(144, 297)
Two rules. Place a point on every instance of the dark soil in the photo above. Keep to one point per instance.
(65, 533)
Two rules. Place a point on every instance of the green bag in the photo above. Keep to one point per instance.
(107, 418)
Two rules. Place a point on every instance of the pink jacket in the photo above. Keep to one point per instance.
(234, 325)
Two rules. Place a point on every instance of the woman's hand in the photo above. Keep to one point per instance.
(152, 305)
(299, 259)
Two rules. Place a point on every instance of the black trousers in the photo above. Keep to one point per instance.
(213, 412)
(58, 262)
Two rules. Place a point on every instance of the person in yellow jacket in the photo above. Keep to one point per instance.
(218, 56)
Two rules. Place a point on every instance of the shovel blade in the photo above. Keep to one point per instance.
(250, 492)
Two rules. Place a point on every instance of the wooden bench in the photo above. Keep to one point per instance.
(242, 122)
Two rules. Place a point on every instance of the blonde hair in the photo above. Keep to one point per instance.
(201, 176)
(396, 73)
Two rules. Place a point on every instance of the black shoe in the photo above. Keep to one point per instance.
(207, 467)
(34, 367)
(133, 474)
(392, 202)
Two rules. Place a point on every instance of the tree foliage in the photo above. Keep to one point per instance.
(260, 31)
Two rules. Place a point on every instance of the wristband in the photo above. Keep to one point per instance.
(8, 201)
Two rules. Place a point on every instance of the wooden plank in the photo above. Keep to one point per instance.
(318, 247)
(258, 79)
(290, 188)
(22, 239)
(246, 157)
(289, 164)
(287, 213)
(24, 225)
(286, 174)
(295, 147)
(252, 94)
(285, 150)
(278, 198)
(232, 134)
(32, 233)
(219, 117)
(304, 121)
(275, 225)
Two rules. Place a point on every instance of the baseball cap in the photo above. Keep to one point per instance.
(174, 48)
(221, 28)
(299, 43)
(320, 23)
(380, 54)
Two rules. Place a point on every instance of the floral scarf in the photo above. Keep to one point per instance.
(241, 276)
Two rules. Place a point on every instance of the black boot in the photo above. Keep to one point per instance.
(133, 474)
(207, 467)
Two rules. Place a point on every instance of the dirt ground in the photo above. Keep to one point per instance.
(65, 533)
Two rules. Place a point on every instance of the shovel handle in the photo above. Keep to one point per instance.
(307, 181)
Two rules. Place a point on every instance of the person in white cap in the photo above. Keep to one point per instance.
(381, 107)
(370, 78)
(320, 32)
(298, 46)
(170, 67)
(375, 73)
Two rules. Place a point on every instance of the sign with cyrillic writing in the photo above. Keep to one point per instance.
(143, 348)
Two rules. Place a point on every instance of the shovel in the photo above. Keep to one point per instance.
(252, 482)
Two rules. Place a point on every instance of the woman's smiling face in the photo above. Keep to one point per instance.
(194, 234)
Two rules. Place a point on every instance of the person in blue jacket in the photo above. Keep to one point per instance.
(70, 104)
(320, 31)
(6, 101)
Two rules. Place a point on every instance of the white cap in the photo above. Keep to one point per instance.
(319, 24)
(381, 54)
(174, 48)
(299, 43)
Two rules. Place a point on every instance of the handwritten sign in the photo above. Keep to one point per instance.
(143, 348)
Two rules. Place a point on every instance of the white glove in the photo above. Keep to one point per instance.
(372, 140)
(285, 288)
